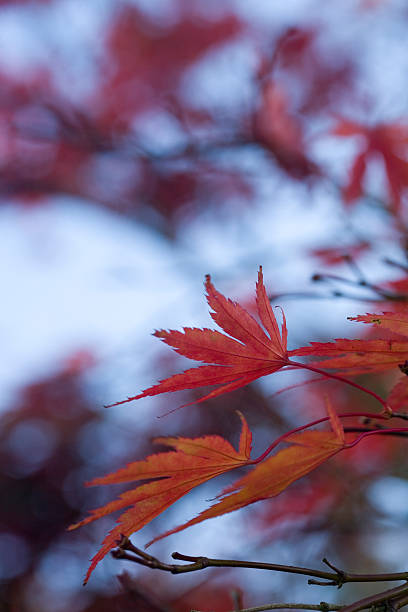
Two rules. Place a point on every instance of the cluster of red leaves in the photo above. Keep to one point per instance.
(295, 63)
(156, 56)
(253, 353)
(52, 146)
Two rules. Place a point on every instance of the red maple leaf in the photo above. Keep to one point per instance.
(252, 354)
(361, 356)
(280, 133)
(334, 255)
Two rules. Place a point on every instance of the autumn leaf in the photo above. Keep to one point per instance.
(386, 140)
(398, 396)
(174, 474)
(334, 255)
(356, 356)
(364, 356)
(235, 362)
(279, 131)
(396, 322)
(195, 461)
(306, 452)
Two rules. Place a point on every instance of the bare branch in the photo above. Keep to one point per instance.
(323, 607)
(126, 550)
(385, 597)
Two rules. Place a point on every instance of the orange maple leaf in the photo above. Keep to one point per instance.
(306, 452)
(175, 473)
(198, 460)
(238, 361)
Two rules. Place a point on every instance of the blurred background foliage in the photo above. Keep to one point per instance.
(142, 145)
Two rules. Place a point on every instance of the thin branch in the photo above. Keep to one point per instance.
(385, 597)
(395, 264)
(390, 432)
(127, 550)
(377, 432)
(335, 293)
(359, 283)
(399, 602)
(323, 607)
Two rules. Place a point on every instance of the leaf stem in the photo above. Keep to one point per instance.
(376, 431)
(317, 422)
(339, 378)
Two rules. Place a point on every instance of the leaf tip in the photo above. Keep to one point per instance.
(72, 527)
(160, 333)
(129, 399)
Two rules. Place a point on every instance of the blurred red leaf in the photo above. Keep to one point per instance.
(332, 256)
(147, 59)
(389, 141)
(279, 131)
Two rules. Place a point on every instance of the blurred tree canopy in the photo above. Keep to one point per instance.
(230, 134)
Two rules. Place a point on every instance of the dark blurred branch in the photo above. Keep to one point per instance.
(361, 283)
(137, 596)
(383, 601)
(396, 264)
(401, 434)
(322, 606)
(333, 294)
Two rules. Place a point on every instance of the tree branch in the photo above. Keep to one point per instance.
(323, 607)
(126, 550)
(387, 598)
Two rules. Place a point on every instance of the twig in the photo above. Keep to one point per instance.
(361, 282)
(385, 597)
(126, 550)
(399, 434)
(389, 600)
(323, 607)
(307, 366)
